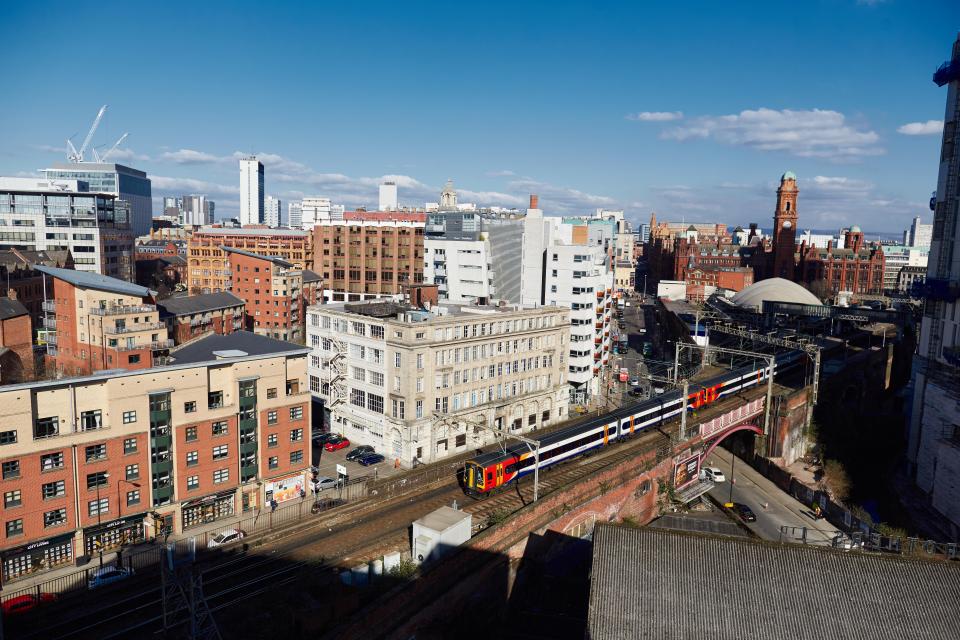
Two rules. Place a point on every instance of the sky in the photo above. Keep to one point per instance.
(689, 109)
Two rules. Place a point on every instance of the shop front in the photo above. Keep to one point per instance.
(208, 509)
(37, 556)
(279, 491)
(113, 535)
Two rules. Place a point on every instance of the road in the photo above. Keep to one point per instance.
(755, 491)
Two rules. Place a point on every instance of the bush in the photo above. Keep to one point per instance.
(496, 517)
(836, 480)
(403, 571)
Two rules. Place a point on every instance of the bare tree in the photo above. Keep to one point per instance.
(836, 481)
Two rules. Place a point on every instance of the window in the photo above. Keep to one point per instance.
(375, 403)
(52, 490)
(419, 409)
(219, 428)
(129, 417)
(376, 378)
(215, 399)
(358, 398)
(398, 409)
(133, 497)
(97, 507)
(129, 445)
(46, 427)
(11, 469)
(396, 360)
(419, 361)
(272, 440)
(95, 452)
(133, 359)
(293, 387)
(220, 452)
(296, 456)
(90, 420)
(193, 482)
(191, 434)
(54, 518)
(98, 479)
(376, 332)
(271, 417)
(14, 528)
(461, 440)
(8, 437)
(271, 393)
(51, 461)
(189, 407)
(296, 413)
(193, 457)
(12, 499)
(296, 435)
(273, 462)
(221, 475)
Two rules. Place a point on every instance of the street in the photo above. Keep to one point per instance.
(755, 491)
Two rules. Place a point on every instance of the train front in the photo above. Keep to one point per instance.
(473, 478)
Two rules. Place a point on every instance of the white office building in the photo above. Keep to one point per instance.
(313, 210)
(196, 210)
(295, 214)
(388, 197)
(251, 191)
(127, 184)
(421, 384)
(271, 212)
(918, 235)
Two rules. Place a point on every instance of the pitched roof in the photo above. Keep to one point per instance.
(11, 309)
(274, 259)
(87, 280)
(237, 344)
(185, 305)
(644, 582)
(310, 276)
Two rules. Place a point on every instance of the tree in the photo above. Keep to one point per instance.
(836, 481)
(820, 288)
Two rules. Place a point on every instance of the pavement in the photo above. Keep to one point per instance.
(774, 508)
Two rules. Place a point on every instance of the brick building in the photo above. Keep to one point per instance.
(16, 342)
(22, 281)
(164, 274)
(112, 458)
(190, 317)
(272, 290)
(95, 322)
(208, 271)
(858, 267)
(700, 279)
(369, 258)
(384, 216)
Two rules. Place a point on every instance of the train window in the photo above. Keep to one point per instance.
(489, 476)
(511, 468)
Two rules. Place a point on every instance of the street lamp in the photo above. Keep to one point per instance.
(733, 463)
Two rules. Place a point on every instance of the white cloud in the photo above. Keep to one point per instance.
(555, 199)
(655, 116)
(51, 148)
(125, 154)
(179, 186)
(928, 128)
(191, 156)
(815, 133)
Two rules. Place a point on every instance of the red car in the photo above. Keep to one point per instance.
(336, 443)
(28, 602)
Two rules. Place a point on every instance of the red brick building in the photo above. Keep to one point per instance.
(17, 274)
(16, 342)
(272, 290)
(858, 267)
(96, 322)
(190, 317)
(163, 274)
(395, 216)
(207, 259)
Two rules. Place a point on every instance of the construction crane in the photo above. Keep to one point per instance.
(116, 144)
(77, 155)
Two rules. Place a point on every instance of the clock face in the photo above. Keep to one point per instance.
(787, 224)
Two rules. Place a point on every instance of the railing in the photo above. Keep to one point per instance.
(49, 305)
(133, 329)
(119, 310)
(159, 344)
(50, 322)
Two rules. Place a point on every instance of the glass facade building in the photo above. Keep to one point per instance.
(126, 183)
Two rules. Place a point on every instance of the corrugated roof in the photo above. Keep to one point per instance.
(185, 305)
(11, 308)
(274, 259)
(96, 281)
(649, 583)
(206, 349)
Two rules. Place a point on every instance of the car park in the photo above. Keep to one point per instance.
(712, 473)
(108, 575)
(28, 602)
(371, 459)
(358, 452)
(335, 444)
(225, 537)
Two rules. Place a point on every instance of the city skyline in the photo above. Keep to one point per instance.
(587, 107)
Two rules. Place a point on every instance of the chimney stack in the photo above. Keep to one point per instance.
(534, 201)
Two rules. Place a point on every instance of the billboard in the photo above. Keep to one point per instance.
(686, 472)
(285, 489)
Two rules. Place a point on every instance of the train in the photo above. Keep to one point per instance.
(494, 471)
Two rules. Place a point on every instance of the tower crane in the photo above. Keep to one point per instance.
(103, 158)
(77, 155)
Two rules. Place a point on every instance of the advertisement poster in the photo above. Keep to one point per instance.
(286, 489)
(685, 472)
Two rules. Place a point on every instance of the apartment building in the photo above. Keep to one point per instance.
(64, 215)
(367, 259)
(21, 279)
(190, 317)
(16, 342)
(272, 290)
(94, 323)
(421, 385)
(117, 457)
(207, 259)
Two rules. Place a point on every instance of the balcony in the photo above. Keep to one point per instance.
(49, 305)
(150, 326)
(153, 346)
(122, 310)
(51, 338)
(49, 322)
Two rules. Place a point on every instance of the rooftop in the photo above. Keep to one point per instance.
(86, 280)
(11, 309)
(231, 231)
(310, 276)
(235, 345)
(390, 309)
(774, 289)
(443, 518)
(185, 305)
(761, 590)
(280, 262)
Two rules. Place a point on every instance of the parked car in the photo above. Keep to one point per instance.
(637, 392)
(658, 390)
(744, 512)
(335, 444)
(108, 575)
(323, 438)
(371, 458)
(634, 381)
(28, 602)
(712, 473)
(225, 538)
(325, 504)
(324, 482)
(358, 452)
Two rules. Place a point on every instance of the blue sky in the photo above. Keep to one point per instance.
(690, 109)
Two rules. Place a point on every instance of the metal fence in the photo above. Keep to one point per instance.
(391, 487)
(145, 560)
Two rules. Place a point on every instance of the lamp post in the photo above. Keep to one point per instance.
(733, 463)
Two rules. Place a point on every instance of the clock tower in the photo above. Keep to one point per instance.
(785, 228)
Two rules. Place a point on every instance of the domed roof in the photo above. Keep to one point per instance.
(789, 175)
(776, 290)
(855, 229)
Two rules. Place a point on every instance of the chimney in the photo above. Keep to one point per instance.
(12, 294)
(534, 201)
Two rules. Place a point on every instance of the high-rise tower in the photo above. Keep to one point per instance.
(251, 191)
(785, 227)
